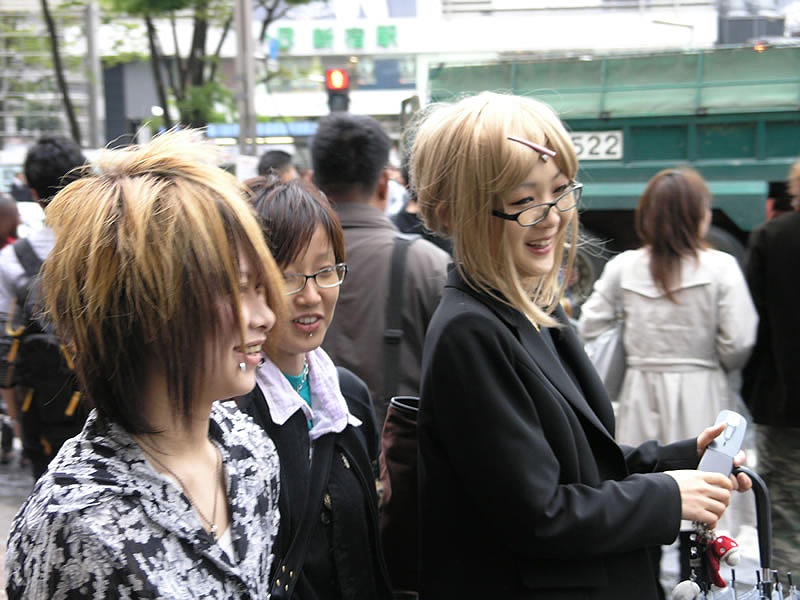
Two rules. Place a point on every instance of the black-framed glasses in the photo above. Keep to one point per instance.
(538, 213)
(329, 277)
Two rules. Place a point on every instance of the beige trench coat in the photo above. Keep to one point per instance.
(678, 354)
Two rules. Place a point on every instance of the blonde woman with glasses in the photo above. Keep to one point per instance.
(523, 491)
(320, 417)
(163, 289)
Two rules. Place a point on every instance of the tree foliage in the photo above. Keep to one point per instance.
(192, 79)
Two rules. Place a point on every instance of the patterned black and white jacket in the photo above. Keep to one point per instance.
(102, 523)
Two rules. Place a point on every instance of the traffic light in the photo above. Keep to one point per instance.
(338, 83)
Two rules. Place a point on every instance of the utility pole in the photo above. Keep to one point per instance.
(94, 78)
(245, 76)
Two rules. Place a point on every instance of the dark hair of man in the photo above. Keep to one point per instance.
(668, 220)
(274, 161)
(289, 215)
(348, 153)
(52, 163)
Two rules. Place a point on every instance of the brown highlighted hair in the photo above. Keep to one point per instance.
(462, 164)
(668, 221)
(290, 213)
(147, 250)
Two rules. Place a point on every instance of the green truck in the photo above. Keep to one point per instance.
(729, 112)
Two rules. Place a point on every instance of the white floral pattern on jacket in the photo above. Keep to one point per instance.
(102, 523)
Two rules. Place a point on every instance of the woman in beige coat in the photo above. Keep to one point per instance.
(688, 316)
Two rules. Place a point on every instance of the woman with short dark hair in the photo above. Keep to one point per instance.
(316, 413)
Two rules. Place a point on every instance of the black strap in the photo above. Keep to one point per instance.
(287, 571)
(393, 333)
(31, 264)
(29, 260)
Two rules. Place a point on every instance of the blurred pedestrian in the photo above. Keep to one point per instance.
(19, 188)
(277, 162)
(349, 155)
(311, 408)
(36, 380)
(162, 285)
(9, 220)
(408, 218)
(521, 481)
(771, 380)
(688, 319)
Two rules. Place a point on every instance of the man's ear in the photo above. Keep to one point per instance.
(381, 196)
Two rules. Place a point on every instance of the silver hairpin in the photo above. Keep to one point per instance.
(242, 367)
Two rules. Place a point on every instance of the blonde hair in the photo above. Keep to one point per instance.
(145, 269)
(462, 163)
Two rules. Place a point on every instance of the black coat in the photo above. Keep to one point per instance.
(523, 491)
(344, 559)
(771, 379)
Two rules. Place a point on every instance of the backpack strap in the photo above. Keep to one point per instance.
(26, 256)
(393, 333)
(31, 264)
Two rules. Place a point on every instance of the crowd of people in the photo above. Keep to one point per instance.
(199, 369)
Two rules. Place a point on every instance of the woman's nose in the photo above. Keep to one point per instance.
(261, 315)
(310, 293)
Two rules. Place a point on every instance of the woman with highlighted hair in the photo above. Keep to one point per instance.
(521, 481)
(162, 287)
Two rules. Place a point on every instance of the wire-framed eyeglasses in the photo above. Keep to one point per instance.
(538, 213)
(329, 277)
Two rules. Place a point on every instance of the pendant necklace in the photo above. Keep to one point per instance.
(212, 523)
(303, 376)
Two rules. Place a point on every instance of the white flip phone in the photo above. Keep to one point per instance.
(719, 454)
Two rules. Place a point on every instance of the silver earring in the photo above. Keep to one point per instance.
(310, 334)
(242, 367)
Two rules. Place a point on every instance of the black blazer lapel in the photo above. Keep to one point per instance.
(570, 348)
(554, 371)
(545, 361)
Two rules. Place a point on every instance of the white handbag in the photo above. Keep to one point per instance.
(607, 353)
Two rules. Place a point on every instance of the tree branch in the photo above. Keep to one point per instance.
(212, 75)
(155, 65)
(178, 59)
(59, 69)
(273, 14)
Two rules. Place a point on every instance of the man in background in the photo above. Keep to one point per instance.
(771, 379)
(349, 154)
(277, 162)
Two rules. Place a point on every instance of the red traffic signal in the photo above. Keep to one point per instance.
(337, 79)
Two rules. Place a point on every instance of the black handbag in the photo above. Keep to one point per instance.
(399, 509)
(288, 569)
